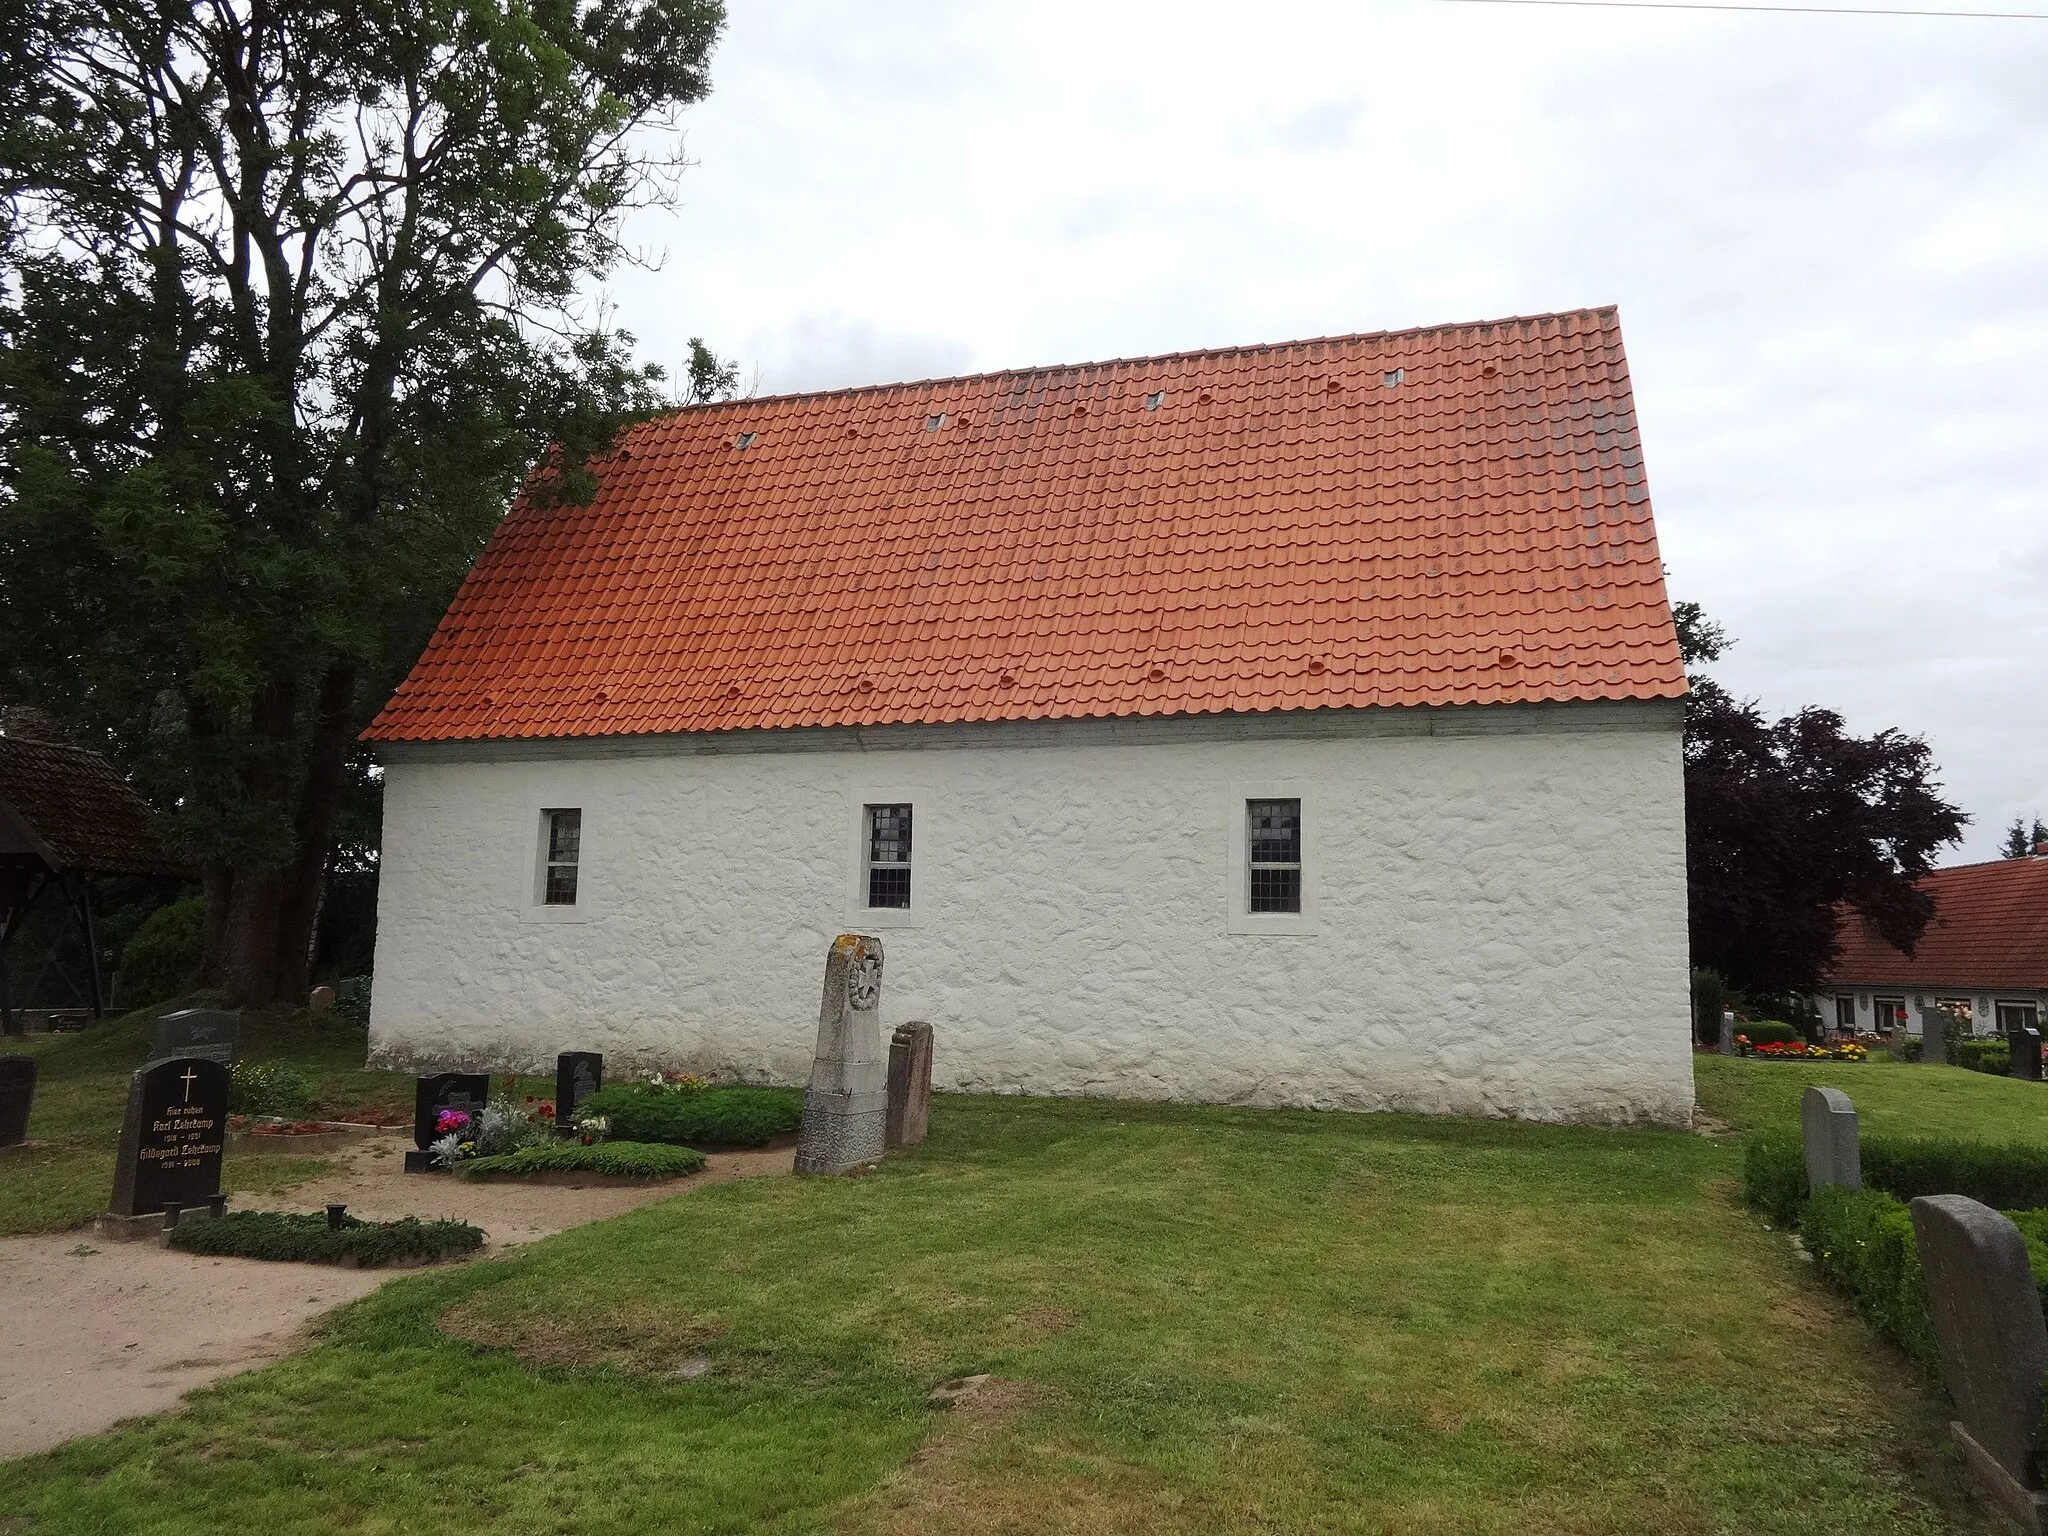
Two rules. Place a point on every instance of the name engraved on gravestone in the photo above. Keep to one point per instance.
(172, 1136)
(466, 1091)
(1834, 1153)
(578, 1074)
(17, 1095)
(846, 1106)
(910, 1084)
(207, 1034)
(2026, 1053)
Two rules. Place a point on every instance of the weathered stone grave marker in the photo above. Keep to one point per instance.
(17, 1094)
(1994, 1346)
(1726, 1043)
(171, 1141)
(846, 1108)
(578, 1074)
(2026, 1053)
(203, 1034)
(910, 1085)
(466, 1091)
(320, 1000)
(1827, 1123)
(1933, 1036)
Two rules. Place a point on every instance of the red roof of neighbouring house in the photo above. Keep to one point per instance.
(1456, 515)
(1990, 929)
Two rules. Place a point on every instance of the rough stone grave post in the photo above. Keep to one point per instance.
(578, 1074)
(17, 1095)
(1933, 1036)
(1725, 1044)
(171, 1141)
(1994, 1346)
(1833, 1152)
(204, 1034)
(2026, 1053)
(845, 1108)
(466, 1091)
(910, 1084)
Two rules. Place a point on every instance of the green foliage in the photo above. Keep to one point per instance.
(162, 958)
(635, 1159)
(710, 377)
(1774, 1175)
(1709, 1002)
(268, 1088)
(1908, 1048)
(352, 1002)
(1982, 1054)
(2021, 840)
(2011, 1177)
(1769, 1032)
(720, 1117)
(310, 1240)
(1862, 1241)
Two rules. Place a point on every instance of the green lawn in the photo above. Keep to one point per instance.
(82, 1089)
(1891, 1098)
(1199, 1319)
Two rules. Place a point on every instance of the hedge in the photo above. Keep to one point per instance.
(310, 1240)
(1768, 1032)
(1862, 1241)
(2007, 1178)
(634, 1159)
(719, 1117)
(1987, 1055)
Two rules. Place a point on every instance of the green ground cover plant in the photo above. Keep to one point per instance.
(1196, 1319)
(715, 1117)
(630, 1159)
(310, 1239)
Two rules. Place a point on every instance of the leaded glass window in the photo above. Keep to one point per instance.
(889, 856)
(564, 833)
(1273, 843)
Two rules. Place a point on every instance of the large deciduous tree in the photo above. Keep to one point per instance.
(291, 298)
(1790, 823)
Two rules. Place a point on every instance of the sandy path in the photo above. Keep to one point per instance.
(88, 1338)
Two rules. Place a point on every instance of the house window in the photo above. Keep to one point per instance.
(562, 835)
(1891, 1014)
(1845, 1013)
(888, 844)
(2017, 1016)
(1273, 847)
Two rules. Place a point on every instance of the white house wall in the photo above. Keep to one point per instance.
(1497, 919)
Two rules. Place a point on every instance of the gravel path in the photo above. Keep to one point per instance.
(92, 1332)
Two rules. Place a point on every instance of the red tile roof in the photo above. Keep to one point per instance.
(1456, 515)
(1990, 929)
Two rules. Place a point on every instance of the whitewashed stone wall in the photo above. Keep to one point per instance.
(1497, 926)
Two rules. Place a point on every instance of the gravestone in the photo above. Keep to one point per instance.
(910, 1085)
(466, 1091)
(1833, 1154)
(2026, 1053)
(1994, 1346)
(17, 1093)
(1933, 1036)
(320, 1000)
(846, 1106)
(578, 1074)
(1726, 1043)
(201, 1034)
(171, 1138)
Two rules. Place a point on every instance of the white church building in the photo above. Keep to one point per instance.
(1282, 725)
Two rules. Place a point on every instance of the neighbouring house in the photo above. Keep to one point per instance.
(1279, 725)
(1983, 959)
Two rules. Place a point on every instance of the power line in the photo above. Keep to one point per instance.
(1792, 10)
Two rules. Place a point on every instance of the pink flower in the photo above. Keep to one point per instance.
(450, 1120)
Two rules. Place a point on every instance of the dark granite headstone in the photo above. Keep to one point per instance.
(203, 1034)
(2026, 1053)
(17, 1093)
(578, 1074)
(466, 1091)
(1994, 1345)
(1933, 1037)
(172, 1136)
(1833, 1151)
(910, 1085)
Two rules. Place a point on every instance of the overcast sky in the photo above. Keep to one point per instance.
(1828, 236)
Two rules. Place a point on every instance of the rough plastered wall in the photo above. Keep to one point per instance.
(1496, 927)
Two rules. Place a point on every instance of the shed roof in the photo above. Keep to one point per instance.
(1990, 930)
(1456, 515)
(78, 812)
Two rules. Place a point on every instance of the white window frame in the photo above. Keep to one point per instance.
(2001, 1003)
(1850, 999)
(859, 915)
(1240, 919)
(533, 873)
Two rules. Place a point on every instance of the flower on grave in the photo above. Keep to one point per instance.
(591, 1128)
(450, 1120)
(448, 1151)
(546, 1110)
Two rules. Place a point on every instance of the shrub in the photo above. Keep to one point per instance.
(309, 1239)
(1769, 1032)
(268, 1088)
(1906, 1048)
(351, 1002)
(1774, 1175)
(723, 1117)
(1862, 1241)
(2008, 1178)
(635, 1159)
(1987, 1055)
(162, 958)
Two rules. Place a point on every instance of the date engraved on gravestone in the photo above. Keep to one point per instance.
(172, 1136)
